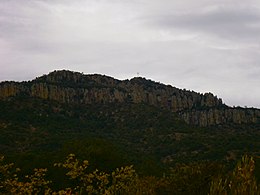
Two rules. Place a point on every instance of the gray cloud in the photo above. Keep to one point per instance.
(200, 45)
(227, 23)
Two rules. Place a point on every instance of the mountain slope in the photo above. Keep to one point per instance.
(76, 88)
(114, 123)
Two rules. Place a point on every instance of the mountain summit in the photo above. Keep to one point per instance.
(76, 88)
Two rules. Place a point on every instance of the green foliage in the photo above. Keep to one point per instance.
(196, 178)
(240, 182)
(30, 184)
(96, 182)
(37, 133)
(193, 178)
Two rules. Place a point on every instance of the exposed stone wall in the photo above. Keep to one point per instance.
(76, 88)
(8, 89)
(215, 116)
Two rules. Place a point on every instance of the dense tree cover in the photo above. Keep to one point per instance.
(198, 178)
(240, 181)
(34, 125)
(39, 133)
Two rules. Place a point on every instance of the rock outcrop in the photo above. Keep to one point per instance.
(217, 116)
(77, 88)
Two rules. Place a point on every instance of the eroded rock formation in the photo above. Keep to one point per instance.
(77, 88)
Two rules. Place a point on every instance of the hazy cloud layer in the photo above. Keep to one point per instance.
(199, 45)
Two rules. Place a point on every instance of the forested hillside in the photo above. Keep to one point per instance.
(112, 124)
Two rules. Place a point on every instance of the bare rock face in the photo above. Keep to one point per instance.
(9, 89)
(77, 88)
(216, 116)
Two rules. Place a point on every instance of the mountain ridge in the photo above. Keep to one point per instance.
(77, 88)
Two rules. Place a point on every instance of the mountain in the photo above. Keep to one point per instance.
(113, 123)
(77, 88)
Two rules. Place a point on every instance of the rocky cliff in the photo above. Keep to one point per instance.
(77, 88)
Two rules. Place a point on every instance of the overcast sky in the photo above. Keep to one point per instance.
(202, 45)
